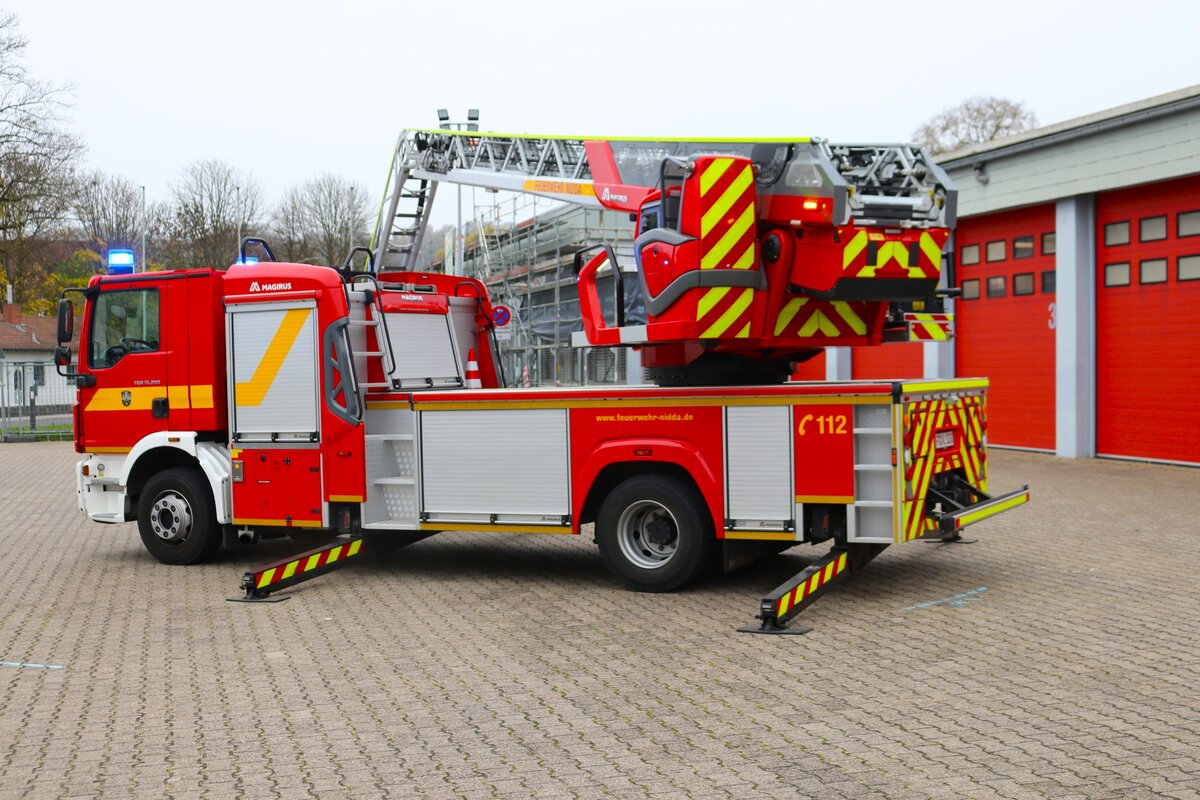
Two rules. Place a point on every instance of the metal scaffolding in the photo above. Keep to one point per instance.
(525, 255)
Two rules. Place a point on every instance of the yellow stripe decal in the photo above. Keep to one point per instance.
(289, 570)
(717, 211)
(497, 528)
(500, 405)
(99, 450)
(265, 578)
(789, 313)
(938, 386)
(746, 260)
(345, 498)
(853, 248)
(853, 320)
(141, 398)
(730, 316)
(355, 546)
(736, 231)
(252, 392)
(825, 498)
(202, 396)
(713, 174)
(931, 250)
(984, 513)
(710, 300)
(768, 536)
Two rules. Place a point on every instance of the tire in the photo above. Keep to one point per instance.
(177, 519)
(668, 509)
(719, 369)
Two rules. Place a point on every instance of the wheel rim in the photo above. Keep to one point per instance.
(648, 534)
(171, 517)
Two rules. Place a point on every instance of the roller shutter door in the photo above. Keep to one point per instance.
(1005, 320)
(886, 361)
(1148, 322)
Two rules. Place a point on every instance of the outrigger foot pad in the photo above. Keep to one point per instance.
(956, 539)
(794, 595)
(775, 630)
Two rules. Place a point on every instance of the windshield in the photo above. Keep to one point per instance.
(123, 322)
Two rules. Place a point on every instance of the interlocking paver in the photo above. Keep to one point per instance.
(472, 665)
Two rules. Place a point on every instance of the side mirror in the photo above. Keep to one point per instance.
(62, 356)
(66, 321)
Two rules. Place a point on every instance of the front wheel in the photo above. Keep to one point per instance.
(177, 519)
(655, 533)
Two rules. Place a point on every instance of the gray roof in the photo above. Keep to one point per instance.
(1060, 132)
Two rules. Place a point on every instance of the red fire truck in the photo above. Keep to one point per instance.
(274, 398)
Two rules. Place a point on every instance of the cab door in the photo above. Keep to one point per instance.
(126, 354)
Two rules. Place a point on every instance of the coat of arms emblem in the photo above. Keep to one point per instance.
(126, 399)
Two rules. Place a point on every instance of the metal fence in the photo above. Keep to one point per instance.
(34, 401)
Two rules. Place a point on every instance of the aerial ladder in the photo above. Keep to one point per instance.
(751, 255)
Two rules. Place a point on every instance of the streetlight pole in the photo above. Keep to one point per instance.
(145, 263)
(237, 193)
(472, 124)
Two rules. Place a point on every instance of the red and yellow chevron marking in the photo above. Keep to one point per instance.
(923, 419)
(810, 586)
(727, 241)
(805, 317)
(871, 255)
(306, 564)
(929, 327)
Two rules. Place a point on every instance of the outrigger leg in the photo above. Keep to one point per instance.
(260, 583)
(800, 591)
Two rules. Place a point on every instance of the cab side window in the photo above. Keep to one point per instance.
(123, 322)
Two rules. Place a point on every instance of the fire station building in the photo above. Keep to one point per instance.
(1078, 253)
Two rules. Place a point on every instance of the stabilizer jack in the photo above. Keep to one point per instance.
(800, 591)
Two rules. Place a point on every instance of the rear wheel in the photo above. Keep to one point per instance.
(655, 533)
(176, 517)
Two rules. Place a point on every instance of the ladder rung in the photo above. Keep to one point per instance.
(367, 323)
(372, 353)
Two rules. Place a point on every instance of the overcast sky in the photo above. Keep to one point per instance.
(288, 92)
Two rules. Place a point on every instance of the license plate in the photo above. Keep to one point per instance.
(943, 440)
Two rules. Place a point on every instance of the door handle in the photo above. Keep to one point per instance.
(160, 408)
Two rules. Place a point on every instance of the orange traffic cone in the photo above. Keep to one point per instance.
(472, 371)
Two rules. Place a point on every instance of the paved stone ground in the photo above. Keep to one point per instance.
(512, 666)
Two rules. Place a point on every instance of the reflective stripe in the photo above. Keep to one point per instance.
(716, 212)
(730, 316)
(713, 174)
(736, 231)
(141, 398)
(252, 392)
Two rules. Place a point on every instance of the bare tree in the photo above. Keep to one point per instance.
(337, 213)
(212, 202)
(974, 121)
(109, 209)
(37, 160)
(291, 233)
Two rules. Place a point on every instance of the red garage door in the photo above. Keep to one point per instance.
(1148, 322)
(811, 370)
(1005, 320)
(889, 361)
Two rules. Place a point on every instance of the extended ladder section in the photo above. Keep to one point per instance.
(404, 214)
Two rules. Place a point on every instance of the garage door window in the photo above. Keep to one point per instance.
(1023, 247)
(1048, 282)
(1022, 284)
(1189, 268)
(1116, 274)
(1152, 229)
(1049, 244)
(997, 286)
(996, 251)
(1153, 271)
(969, 254)
(1189, 223)
(1116, 233)
(970, 289)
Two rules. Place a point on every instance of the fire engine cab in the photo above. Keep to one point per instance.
(276, 399)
